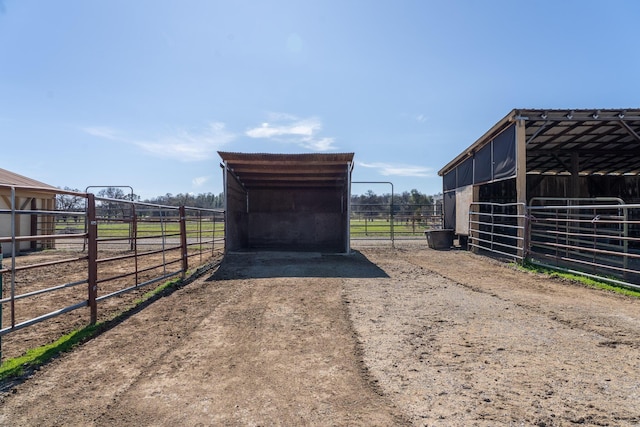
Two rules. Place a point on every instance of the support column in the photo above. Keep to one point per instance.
(574, 188)
(521, 186)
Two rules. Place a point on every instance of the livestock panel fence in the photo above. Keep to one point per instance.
(595, 237)
(90, 256)
(498, 228)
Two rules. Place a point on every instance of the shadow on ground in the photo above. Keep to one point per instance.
(260, 265)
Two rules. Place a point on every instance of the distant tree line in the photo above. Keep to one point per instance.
(409, 204)
(68, 202)
(202, 200)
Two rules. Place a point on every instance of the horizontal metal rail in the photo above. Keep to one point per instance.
(44, 291)
(498, 228)
(138, 286)
(41, 237)
(42, 318)
(375, 222)
(593, 276)
(111, 230)
(43, 264)
(600, 237)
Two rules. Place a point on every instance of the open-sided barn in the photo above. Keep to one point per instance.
(26, 199)
(287, 201)
(533, 159)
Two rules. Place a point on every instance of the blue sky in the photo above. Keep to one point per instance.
(144, 93)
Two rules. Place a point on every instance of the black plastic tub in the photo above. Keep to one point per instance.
(439, 239)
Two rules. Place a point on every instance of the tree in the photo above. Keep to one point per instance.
(114, 209)
(112, 193)
(70, 203)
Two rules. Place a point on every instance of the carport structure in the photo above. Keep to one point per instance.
(296, 202)
(544, 157)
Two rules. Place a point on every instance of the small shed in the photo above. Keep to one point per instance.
(37, 197)
(292, 202)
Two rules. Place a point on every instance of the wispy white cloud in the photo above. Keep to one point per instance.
(421, 118)
(181, 145)
(299, 128)
(322, 144)
(200, 180)
(277, 116)
(287, 128)
(102, 132)
(389, 169)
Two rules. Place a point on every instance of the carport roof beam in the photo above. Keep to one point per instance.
(263, 170)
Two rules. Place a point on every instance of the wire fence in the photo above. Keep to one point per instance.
(86, 256)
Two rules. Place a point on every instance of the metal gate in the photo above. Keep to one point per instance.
(597, 237)
(392, 220)
(498, 228)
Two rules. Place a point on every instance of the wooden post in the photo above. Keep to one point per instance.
(575, 177)
(33, 245)
(521, 185)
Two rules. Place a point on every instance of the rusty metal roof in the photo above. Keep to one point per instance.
(265, 170)
(12, 178)
(607, 141)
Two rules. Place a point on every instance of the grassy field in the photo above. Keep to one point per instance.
(382, 228)
(118, 229)
(358, 228)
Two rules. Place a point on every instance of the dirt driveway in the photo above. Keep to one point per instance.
(405, 336)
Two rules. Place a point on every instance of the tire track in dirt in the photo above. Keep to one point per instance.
(82, 387)
(377, 338)
(467, 352)
(605, 313)
(248, 347)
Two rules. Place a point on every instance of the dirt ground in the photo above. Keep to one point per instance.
(118, 269)
(404, 336)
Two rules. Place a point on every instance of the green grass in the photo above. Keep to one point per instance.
(358, 227)
(38, 356)
(587, 281)
(379, 227)
(117, 229)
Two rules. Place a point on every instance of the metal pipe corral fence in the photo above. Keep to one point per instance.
(109, 248)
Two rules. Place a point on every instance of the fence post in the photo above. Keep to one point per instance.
(1, 293)
(92, 256)
(527, 233)
(183, 241)
(521, 231)
(213, 242)
(134, 239)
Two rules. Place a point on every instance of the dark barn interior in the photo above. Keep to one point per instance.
(290, 202)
